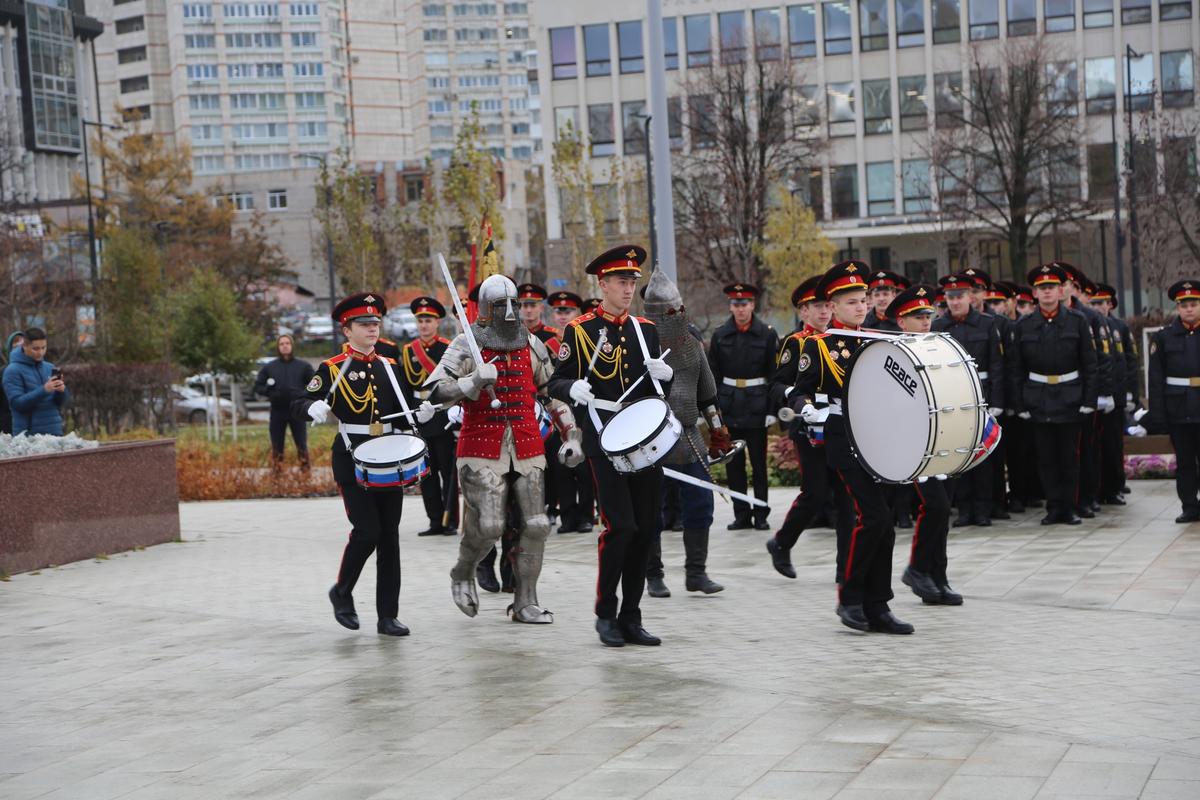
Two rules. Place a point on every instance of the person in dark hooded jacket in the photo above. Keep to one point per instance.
(15, 340)
(35, 388)
(281, 381)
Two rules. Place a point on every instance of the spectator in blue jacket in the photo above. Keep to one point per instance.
(34, 387)
(14, 341)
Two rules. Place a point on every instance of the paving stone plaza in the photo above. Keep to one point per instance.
(213, 668)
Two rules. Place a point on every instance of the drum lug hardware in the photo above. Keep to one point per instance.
(933, 366)
(947, 409)
(942, 453)
(963, 450)
(969, 406)
(920, 367)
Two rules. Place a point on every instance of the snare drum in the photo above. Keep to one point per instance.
(640, 434)
(390, 462)
(914, 408)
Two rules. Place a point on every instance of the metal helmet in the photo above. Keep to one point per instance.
(664, 307)
(498, 325)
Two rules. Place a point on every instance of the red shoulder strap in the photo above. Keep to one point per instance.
(423, 357)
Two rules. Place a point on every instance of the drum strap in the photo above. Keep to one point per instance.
(637, 328)
(387, 367)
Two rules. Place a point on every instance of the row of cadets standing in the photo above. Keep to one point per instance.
(1127, 394)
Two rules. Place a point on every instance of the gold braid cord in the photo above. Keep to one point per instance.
(587, 347)
(414, 378)
(357, 402)
(836, 370)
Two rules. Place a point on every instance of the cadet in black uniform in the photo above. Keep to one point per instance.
(1025, 487)
(742, 357)
(883, 286)
(1054, 385)
(366, 392)
(979, 335)
(420, 357)
(1126, 393)
(629, 503)
(1175, 392)
(866, 579)
(572, 485)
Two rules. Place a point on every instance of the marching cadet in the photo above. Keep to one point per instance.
(913, 311)
(1054, 384)
(866, 578)
(1175, 391)
(998, 302)
(419, 358)
(359, 387)
(629, 502)
(1103, 298)
(572, 485)
(1088, 503)
(1025, 490)
(883, 287)
(742, 357)
(979, 334)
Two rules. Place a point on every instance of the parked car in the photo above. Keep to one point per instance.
(400, 323)
(291, 322)
(192, 405)
(318, 329)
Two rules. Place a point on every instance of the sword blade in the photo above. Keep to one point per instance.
(712, 487)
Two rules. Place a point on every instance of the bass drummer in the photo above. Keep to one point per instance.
(866, 577)
(359, 388)
(589, 371)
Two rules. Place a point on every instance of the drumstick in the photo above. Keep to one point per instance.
(633, 385)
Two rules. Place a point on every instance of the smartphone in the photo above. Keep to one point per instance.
(55, 374)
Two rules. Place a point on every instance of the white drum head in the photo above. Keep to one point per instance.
(887, 410)
(633, 425)
(391, 449)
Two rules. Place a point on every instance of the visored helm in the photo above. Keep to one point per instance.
(497, 301)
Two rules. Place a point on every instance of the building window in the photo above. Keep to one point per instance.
(1174, 9)
(767, 34)
(1178, 80)
(135, 114)
(914, 112)
(1062, 88)
(1022, 17)
(629, 46)
(260, 130)
(844, 188)
(802, 31)
(1179, 164)
(434, 34)
(872, 25)
(139, 84)
(731, 26)
(840, 99)
(945, 21)
(309, 100)
(877, 106)
(309, 9)
(910, 23)
(241, 201)
(810, 189)
(988, 184)
(808, 106)
(202, 72)
(1097, 13)
(984, 19)
(1145, 167)
(562, 54)
(1060, 16)
(204, 102)
(312, 130)
(1139, 88)
(947, 99)
(199, 41)
(1100, 85)
(131, 55)
(305, 39)
(1102, 171)
(837, 27)
(670, 43)
(565, 116)
(697, 33)
(200, 12)
(1135, 11)
(632, 129)
(206, 134)
(881, 189)
(309, 69)
(600, 129)
(208, 165)
(675, 122)
(131, 25)
(701, 110)
(914, 179)
(277, 199)
(1064, 173)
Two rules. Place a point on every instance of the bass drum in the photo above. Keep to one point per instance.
(914, 409)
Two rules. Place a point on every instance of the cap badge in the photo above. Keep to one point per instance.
(631, 255)
(369, 299)
(921, 293)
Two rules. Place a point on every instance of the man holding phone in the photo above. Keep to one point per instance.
(35, 388)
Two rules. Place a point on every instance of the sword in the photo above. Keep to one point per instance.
(713, 487)
(465, 324)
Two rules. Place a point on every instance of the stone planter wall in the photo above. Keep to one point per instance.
(70, 506)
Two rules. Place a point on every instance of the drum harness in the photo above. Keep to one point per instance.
(345, 429)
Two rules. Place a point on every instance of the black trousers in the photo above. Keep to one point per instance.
(439, 490)
(867, 574)
(573, 488)
(817, 479)
(735, 471)
(1021, 454)
(550, 486)
(931, 530)
(1058, 448)
(1089, 460)
(375, 517)
(1112, 453)
(629, 515)
(973, 490)
(277, 427)
(997, 459)
(1185, 438)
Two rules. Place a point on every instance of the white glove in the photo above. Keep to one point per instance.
(581, 392)
(455, 416)
(788, 392)
(659, 369)
(810, 414)
(1106, 403)
(1129, 404)
(570, 454)
(318, 411)
(1025, 415)
(1136, 430)
(484, 376)
(425, 412)
(1141, 412)
(270, 381)
(995, 411)
(771, 420)
(1086, 410)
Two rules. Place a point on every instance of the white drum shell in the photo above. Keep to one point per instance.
(638, 436)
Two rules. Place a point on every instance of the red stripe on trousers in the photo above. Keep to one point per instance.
(912, 554)
(603, 536)
(858, 526)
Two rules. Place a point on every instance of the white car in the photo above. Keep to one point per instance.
(191, 405)
(400, 323)
(318, 329)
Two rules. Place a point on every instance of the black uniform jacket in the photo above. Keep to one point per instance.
(1102, 343)
(1052, 348)
(821, 370)
(290, 377)
(980, 335)
(1174, 353)
(784, 376)
(733, 354)
(1126, 350)
(416, 362)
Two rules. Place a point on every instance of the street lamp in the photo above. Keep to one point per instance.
(91, 220)
(649, 190)
(1135, 264)
(324, 162)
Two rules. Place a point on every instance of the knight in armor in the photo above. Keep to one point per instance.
(533, 306)
(693, 392)
(500, 455)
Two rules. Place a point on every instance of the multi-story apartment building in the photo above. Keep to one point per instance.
(876, 74)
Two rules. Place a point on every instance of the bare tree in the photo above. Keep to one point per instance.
(1009, 157)
(1168, 201)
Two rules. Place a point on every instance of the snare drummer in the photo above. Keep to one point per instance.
(866, 578)
(365, 393)
(628, 501)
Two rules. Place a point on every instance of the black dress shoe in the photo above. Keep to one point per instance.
(739, 524)
(634, 633)
(762, 525)
(1050, 519)
(1035, 503)
(1000, 512)
(922, 584)
(1071, 518)
(656, 587)
(610, 633)
(853, 617)
(702, 583)
(1114, 500)
(568, 526)
(949, 596)
(780, 559)
(1188, 516)
(585, 528)
(1095, 506)
(485, 576)
(432, 530)
(964, 520)
(343, 609)
(450, 532)
(1085, 513)
(1016, 506)
(1126, 490)
(984, 522)
(887, 622)
(391, 627)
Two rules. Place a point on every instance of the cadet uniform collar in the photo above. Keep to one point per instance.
(835, 323)
(607, 316)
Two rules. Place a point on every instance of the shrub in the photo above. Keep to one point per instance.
(113, 398)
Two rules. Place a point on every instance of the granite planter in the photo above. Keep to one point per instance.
(69, 506)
